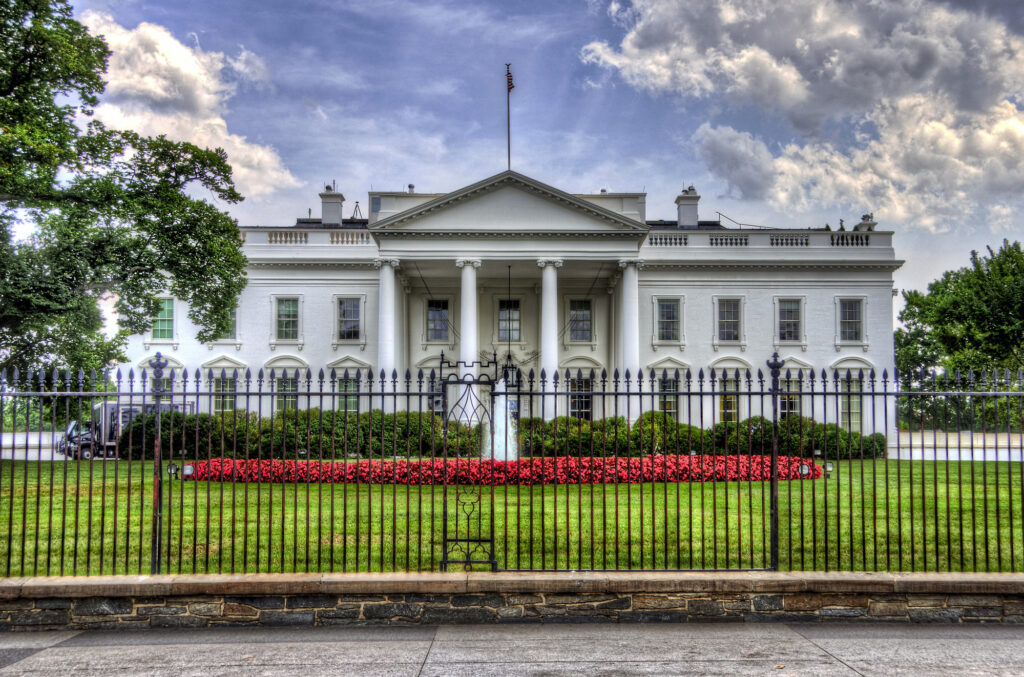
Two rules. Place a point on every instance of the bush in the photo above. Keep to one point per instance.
(657, 432)
(611, 436)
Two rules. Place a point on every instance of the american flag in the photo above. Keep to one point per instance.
(508, 74)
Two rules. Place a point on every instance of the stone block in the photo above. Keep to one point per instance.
(183, 621)
(549, 610)
(767, 602)
(468, 615)
(510, 612)
(206, 609)
(257, 602)
(934, 615)
(843, 613)
(704, 607)
(391, 610)
(102, 606)
(579, 619)
(311, 602)
(887, 608)
(982, 612)
(926, 600)
(478, 600)
(429, 599)
(975, 600)
(286, 618)
(351, 612)
(234, 609)
(641, 602)
(619, 603)
(17, 605)
(1015, 619)
(53, 603)
(781, 617)
(41, 617)
(519, 599)
(582, 598)
(652, 617)
(160, 610)
(813, 601)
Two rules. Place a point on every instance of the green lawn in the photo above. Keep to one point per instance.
(92, 518)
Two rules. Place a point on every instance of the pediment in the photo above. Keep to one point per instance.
(225, 362)
(507, 204)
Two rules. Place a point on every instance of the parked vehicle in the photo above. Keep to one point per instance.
(97, 438)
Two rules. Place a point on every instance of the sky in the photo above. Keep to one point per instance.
(785, 114)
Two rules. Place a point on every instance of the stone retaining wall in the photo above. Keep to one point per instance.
(208, 601)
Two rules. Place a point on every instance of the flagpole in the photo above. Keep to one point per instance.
(508, 114)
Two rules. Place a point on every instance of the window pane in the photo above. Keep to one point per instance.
(850, 405)
(668, 320)
(850, 320)
(287, 397)
(231, 332)
(348, 319)
(222, 400)
(163, 325)
(287, 319)
(728, 401)
(580, 324)
(508, 319)
(348, 402)
(789, 320)
(437, 320)
(581, 406)
(668, 403)
(729, 320)
(789, 403)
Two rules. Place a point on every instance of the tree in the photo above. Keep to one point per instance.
(114, 212)
(971, 318)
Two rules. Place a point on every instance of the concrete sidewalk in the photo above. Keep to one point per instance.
(665, 649)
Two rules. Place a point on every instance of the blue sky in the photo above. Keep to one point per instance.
(784, 114)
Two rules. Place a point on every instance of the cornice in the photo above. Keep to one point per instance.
(775, 265)
(504, 235)
(292, 263)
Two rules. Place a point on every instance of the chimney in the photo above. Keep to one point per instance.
(330, 209)
(686, 206)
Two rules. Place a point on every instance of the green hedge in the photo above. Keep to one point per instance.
(315, 433)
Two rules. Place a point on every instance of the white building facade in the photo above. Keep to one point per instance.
(555, 282)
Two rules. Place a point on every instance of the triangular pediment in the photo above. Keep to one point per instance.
(508, 203)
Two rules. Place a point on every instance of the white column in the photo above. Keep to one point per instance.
(387, 328)
(549, 331)
(629, 317)
(549, 316)
(468, 325)
(629, 333)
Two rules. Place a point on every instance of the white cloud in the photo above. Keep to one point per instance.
(930, 96)
(157, 85)
(250, 67)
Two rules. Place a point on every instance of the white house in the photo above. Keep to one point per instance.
(512, 266)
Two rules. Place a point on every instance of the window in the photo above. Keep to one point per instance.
(668, 403)
(231, 333)
(437, 320)
(851, 320)
(581, 406)
(789, 320)
(728, 401)
(287, 319)
(508, 319)
(348, 319)
(224, 395)
(166, 384)
(668, 319)
(580, 320)
(287, 397)
(728, 319)
(850, 405)
(789, 398)
(347, 400)
(163, 325)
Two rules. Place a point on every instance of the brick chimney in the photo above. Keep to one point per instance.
(330, 206)
(686, 208)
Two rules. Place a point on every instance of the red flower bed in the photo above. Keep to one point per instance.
(533, 471)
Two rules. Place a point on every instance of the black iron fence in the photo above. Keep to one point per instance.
(482, 466)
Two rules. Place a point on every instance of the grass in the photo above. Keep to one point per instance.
(78, 518)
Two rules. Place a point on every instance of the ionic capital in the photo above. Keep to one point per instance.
(394, 263)
(463, 262)
(541, 263)
(623, 263)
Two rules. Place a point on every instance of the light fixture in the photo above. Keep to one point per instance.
(805, 469)
(829, 467)
(817, 452)
(187, 471)
(693, 452)
(172, 470)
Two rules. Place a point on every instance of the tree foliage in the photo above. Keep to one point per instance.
(113, 211)
(971, 318)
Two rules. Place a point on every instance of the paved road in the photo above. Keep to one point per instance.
(711, 649)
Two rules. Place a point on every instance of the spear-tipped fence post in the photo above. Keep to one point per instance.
(775, 365)
(158, 364)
